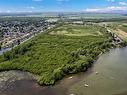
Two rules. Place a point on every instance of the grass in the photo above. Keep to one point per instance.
(120, 28)
(124, 28)
(51, 57)
(77, 30)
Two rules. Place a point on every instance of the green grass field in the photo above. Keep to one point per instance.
(120, 28)
(51, 57)
(118, 25)
(77, 30)
(124, 28)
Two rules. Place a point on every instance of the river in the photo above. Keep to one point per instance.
(108, 76)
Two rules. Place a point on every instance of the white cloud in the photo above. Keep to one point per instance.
(122, 3)
(8, 11)
(111, 0)
(107, 9)
(31, 7)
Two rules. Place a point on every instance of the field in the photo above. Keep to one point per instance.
(123, 27)
(77, 30)
(65, 49)
(120, 28)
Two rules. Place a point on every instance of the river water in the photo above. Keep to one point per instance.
(107, 77)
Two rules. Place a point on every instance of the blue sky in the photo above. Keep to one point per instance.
(62, 5)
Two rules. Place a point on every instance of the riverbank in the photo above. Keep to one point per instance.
(52, 57)
(110, 66)
(111, 77)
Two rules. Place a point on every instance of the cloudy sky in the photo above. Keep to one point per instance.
(63, 5)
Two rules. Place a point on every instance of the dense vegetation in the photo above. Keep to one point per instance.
(53, 56)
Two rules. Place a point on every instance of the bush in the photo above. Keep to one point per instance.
(46, 79)
(58, 74)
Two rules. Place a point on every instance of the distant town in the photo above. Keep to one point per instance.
(13, 32)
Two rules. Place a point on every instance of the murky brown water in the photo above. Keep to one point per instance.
(110, 80)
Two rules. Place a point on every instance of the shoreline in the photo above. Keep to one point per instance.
(68, 76)
(62, 86)
(68, 69)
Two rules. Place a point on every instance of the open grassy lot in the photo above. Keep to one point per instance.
(123, 27)
(121, 34)
(53, 56)
(77, 30)
(120, 28)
